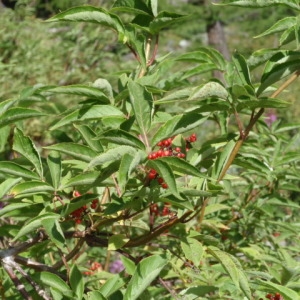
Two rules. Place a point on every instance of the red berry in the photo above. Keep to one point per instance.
(159, 144)
(160, 180)
(177, 149)
(152, 176)
(164, 185)
(165, 211)
(159, 153)
(193, 138)
(94, 204)
(154, 209)
(167, 153)
(78, 221)
(76, 194)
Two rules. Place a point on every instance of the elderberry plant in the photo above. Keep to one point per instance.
(136, 200)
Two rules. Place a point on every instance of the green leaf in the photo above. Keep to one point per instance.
(178, 124)
(31, 187)
(17, 208)
(122, 137)
(76, 281)
(80, 90)
(90, 137)
(35, 223)
(117, 241)
(232, 268)
(6, 104)
(166, 173)
(211, 89)
(113, 154)
(55, 282)
(278, 67)
(242, 71)
(131, 6)
(268, 286)
(147, 270)
(153, 4)
(112, 285)
(78, 151)
(6, 185)
(94, 112)
(205, 55)
(182, 166)
(11, 168)
(54, 231)
(87, 178)
(95, 295)
(279, 26)
(93, 15)
(128, 264)
(193, 250)
(142, 104)
(26, 147)
(222, 159)
(262, 3)
(16, 114)
(164, 19)
(54, 164)
(128, 164)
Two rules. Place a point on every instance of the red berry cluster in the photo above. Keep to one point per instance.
(155, 211)
(95, 267)
(166, 149)
(275, 296)
(79, 213)
(154, 175)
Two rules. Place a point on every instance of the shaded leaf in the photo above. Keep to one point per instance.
(146, 271)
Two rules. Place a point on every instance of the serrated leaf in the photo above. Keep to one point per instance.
(164, 19)
(147, 270)
(93, 15)
(54, 164)
(232, 268)
(222, 159)
(55, 282)
(7, 184)
(242, 71)
(80, 90)
(11, 168)
(54, 231)
(178, 124)
(193, 250)
(278, 67)
(269, 286)
(117, 241)
(166, 173)
(211, 89)
(93, 112)
(128, 164)
(16, 114)
(78, 151)
(114, 154)
(112, 285)
(76, 281)
(279, 26)
(95, 295)
(25, 146)
(35, 223)
(142, 104)
(261, 3)
(15, 207)
(182, 166)
(122, 137)
(31, 187)
(131, 6)
(90, 137)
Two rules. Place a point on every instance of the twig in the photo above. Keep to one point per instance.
(166, 286)
(8, 266)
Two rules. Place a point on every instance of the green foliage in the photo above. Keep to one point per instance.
(172, 180)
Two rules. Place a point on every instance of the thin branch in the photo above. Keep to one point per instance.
(167, 287)
(37, 288)
(7, 265)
